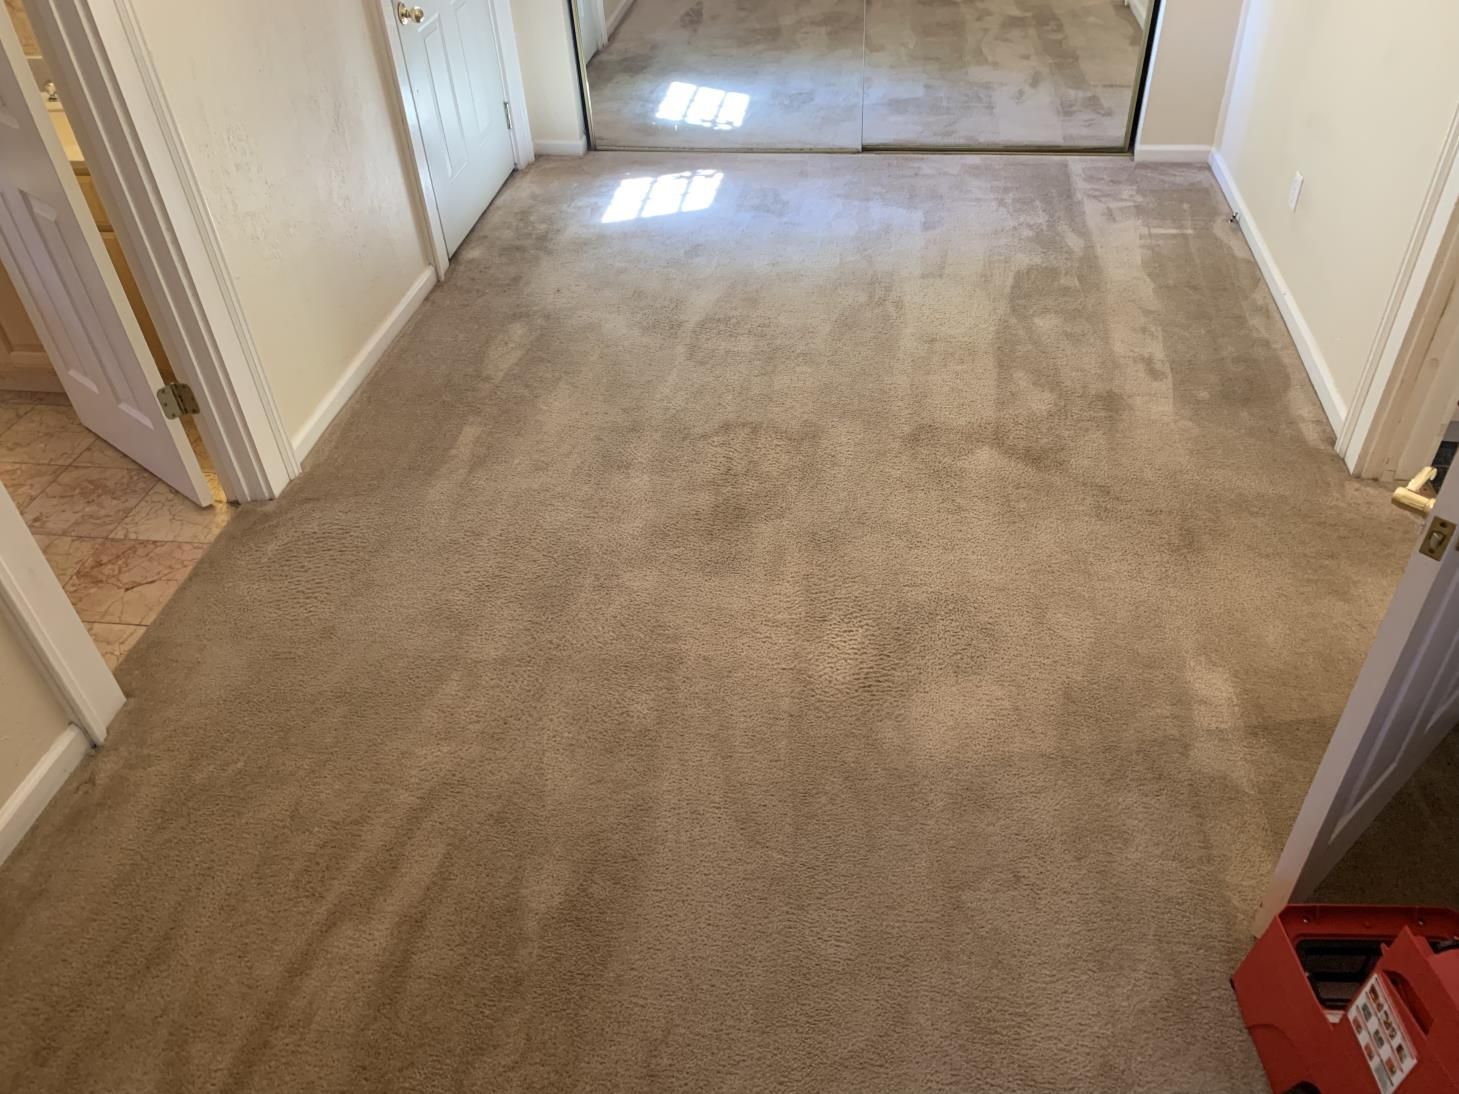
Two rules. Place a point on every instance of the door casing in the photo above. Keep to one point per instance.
(1410, 383)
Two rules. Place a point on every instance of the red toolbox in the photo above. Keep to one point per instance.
(1352, 1000)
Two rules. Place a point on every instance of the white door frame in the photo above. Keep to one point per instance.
(409, 121)
(30, 593)
(115, 103)
(1407, 392)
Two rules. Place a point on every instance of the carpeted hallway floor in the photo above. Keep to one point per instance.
(839, 75)
(823, 624)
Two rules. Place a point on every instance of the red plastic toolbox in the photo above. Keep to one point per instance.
(1351, 1000)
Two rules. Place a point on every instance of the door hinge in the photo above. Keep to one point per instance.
(177, 400)
(506, 106)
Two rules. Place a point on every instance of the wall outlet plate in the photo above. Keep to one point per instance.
(1294, 195)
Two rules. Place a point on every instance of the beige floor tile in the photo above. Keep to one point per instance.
(47, 434)
(100, 454)
(87, 501)
(130, 581)
(25, 481)
(113, 640)
(34, 398)
(66, 554)
(166, 515)
(9, 415)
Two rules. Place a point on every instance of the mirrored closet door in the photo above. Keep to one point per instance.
(848, 75)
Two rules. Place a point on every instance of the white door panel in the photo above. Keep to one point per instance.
(56, 258)
(456, 81)
(1405, 701)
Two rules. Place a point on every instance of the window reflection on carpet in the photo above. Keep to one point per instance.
(682, 192)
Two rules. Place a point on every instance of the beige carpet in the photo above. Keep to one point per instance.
(838, 75)
(999, 73)
(868, 630)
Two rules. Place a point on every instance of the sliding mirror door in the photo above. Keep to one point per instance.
(780, 75)
(847, 75)
(1001, 75)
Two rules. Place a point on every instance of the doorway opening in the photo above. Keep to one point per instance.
(1376, 824)
(119, 538)
(459, 77)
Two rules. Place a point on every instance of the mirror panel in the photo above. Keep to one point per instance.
(1000, 74)
(848, 75)
(729, 74)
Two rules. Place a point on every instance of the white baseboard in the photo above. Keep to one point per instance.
(368, 357)
(1140, 9)
(1172, 153)
(1316, 364)
(578, 147)
(29, 377)
(22, 808)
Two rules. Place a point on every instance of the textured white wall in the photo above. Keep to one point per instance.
(287, 119)
(1360, 98)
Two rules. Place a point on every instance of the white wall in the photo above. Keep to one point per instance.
(550, 73)
(38, 745)
(288, 123)
(31, 715)
(1360, 98)
(1192, 58)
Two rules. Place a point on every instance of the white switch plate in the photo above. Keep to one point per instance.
(1295, 194)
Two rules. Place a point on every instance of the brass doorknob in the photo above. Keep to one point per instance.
(1412, 497)
(408, 14)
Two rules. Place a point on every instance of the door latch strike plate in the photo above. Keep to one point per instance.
(177, 400)
(1436, 538)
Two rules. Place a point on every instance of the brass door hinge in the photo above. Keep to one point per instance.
(506, 106)
(177, 400)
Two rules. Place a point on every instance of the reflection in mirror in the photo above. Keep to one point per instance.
(724, 74)
(1001, 74)
(843, 75)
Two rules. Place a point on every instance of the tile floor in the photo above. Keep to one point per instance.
(119, 540)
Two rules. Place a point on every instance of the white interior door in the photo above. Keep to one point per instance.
(455, 72)
(1405, 701)
(58, 262)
